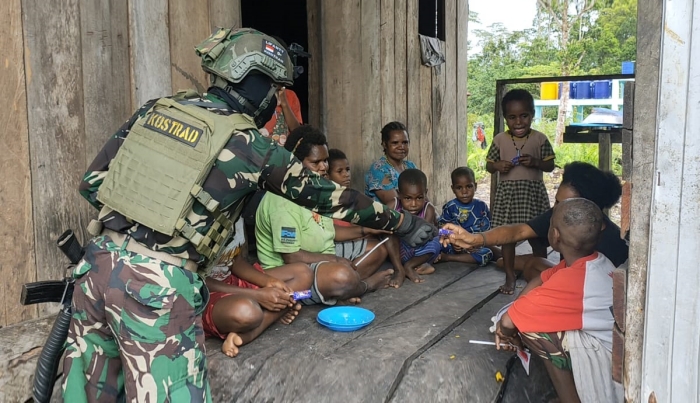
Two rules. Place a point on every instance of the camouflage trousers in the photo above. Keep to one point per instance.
(136, 333)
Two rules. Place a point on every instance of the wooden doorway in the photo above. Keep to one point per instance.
(286, 20)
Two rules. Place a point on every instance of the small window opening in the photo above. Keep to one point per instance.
(431, 18)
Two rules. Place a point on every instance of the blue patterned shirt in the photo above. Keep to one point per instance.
(383, 176)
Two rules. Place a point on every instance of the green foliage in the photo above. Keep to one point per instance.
(599, 41)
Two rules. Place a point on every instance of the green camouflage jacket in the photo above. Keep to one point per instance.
(248, 161)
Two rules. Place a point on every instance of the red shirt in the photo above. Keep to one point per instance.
(577, 297)
(277, 127)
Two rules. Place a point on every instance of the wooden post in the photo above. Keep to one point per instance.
(649, 30)
(604, 151)
(16, 221)
(498, 127)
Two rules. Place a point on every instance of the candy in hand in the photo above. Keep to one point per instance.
(444, 232)
(297, 295)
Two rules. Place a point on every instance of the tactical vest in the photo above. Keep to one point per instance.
(159, 170)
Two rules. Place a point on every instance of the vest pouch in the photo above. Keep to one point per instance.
(166, 156)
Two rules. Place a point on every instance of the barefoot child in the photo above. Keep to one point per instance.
(244, 301)
(412, 190)
(339, 172)
(564, 316)
(519, 155)
(471, 214)
(288, 234)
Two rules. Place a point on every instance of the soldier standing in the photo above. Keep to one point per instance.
(169, 184)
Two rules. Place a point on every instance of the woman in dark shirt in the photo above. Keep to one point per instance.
(579, 180)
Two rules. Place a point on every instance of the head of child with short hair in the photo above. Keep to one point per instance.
(412, 190)
(338, 167)
(575, 228)
(463, 184)
(518, 108)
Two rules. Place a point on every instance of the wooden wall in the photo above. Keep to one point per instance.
(371, 74)
(73, 72)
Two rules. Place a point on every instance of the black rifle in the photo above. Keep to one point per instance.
(53, 291)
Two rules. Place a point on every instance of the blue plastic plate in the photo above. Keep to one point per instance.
(345, 318)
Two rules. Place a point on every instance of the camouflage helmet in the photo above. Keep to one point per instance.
(233, 54)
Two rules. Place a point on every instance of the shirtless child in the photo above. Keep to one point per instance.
(564, 315)
(245, 300)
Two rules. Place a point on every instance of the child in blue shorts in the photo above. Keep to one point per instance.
(471, 214)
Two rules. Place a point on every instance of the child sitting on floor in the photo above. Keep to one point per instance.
(244, 300)
(339, 172)
(412, 191)
(564, 316)
(338, 167)
(469, 213)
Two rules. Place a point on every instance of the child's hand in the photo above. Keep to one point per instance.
(273, 299)
(279, 284)
(503, 166)
(281, 97)
(529, 161)
(506, 336)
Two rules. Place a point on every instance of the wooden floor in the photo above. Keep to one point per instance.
(416, 350)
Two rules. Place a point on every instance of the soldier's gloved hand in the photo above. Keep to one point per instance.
(415, 231)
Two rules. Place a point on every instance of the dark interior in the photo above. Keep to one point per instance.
(287, 20)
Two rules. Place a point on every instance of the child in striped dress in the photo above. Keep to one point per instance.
(519, 155)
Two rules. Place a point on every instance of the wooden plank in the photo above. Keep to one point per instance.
(646, 98)
(498, 127)
(331, 374)
(454, 370)
(20, 346)
(618, 354)
(415, 105)
(425, 133)
(604, 152)
(56, 128)
(344, 104)
(446, 158)
(461, 80)
(388, 82)
(16, 221)
(316, 90)
(626, 154)
(371, 89)
(188, 27)
(104, 27)
(224, 14)
(400, 48)
(625, 208)
(593, 136)
(242, 372)
(150, 50)
(619, 296)
(672, 223)
(628, 106)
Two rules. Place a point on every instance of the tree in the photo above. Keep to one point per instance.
(563, 17)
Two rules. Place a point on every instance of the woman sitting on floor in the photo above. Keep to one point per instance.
(382, 179)
(287, 234)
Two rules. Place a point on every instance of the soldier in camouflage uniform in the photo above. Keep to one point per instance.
(136, 332)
